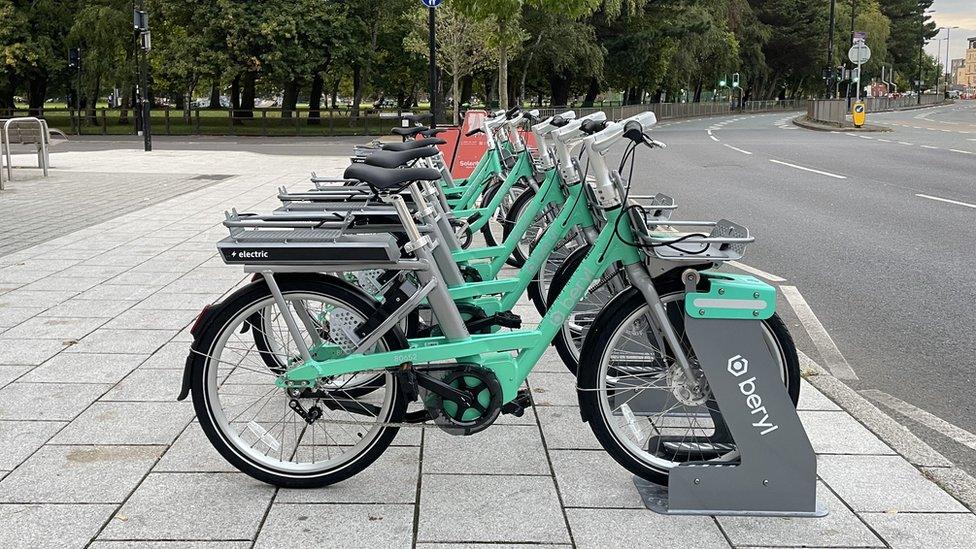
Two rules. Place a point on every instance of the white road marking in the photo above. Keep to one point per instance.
(757, 272)
(850, 134)
(970, 139)
(961, 151)
(929, 147)
(946, 200)
(709, 131)
(884, 140)
(865, 137)
(736, 149)
(713, 138)
(905, 143)
(828, 174)
(833, 359)
(919, 415)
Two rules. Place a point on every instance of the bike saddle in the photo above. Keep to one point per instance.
(383, 179)
(396, 159)
(417, 118)
(415, 144)
(432, 132)
(408, 132)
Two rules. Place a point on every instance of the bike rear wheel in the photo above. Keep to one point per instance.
(257, 426)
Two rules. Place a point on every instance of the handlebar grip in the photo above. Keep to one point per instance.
(513, 112)
(469, 133)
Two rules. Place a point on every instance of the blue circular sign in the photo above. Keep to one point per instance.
(431, 3)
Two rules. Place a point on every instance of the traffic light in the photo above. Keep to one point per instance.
(721, 83)
(74, 58)
(735, 80)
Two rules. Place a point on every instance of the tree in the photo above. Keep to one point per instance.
(462, 45)
(506, 15)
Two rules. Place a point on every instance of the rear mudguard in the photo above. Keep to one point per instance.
(207, 313)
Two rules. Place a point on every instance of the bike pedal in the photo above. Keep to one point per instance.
(508, 319)
(518, 405)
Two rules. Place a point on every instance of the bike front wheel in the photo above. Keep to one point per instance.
(632, 392)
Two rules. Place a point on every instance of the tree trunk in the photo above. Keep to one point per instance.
(7, 87)
(502, 65)
(36, 91)
(248, 94)
(559, 90)
(591, 92)
(93, 102)
(289, 100)
(456, 94)
(214, 96)
(466, 84)
(357, 90)
(698, 91)
(235, 95)
(315, 100)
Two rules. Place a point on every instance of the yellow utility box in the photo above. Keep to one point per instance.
(858, 113)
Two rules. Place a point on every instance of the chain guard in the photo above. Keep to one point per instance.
(455, 417)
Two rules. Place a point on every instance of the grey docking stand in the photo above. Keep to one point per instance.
(776, 473)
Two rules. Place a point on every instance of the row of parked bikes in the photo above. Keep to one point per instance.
(375, 309)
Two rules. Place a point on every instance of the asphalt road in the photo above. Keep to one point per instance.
(890, 274)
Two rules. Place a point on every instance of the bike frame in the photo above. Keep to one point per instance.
(492, 350)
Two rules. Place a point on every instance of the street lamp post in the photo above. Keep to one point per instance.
(830, 50)
(947, 60)
(140, 24)
(432, 44)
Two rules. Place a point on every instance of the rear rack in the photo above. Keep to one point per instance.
(303, 241)
(726, 241)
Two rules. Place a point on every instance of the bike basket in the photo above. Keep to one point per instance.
(725, 241)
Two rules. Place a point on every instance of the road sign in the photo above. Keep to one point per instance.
(858, 113)
(859, 53)
(431, 3)
(860, 36)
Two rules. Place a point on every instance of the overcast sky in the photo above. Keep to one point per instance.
(951, 13)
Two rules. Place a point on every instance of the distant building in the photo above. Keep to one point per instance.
(954, 69)
(965, 76)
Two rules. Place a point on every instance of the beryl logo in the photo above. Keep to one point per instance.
(738, 365)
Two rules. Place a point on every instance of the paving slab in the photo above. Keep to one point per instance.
(553, 389)
(496, 508)
(152, 319)
(127, 423)
(148, 385)
(28, 351)
(75, 524)
(840, 528)
(591, 478)
(924, 530)
(192, 506)
(10, 372)
(170, 545)
(79, 474)
(884, 484)
(838, 433)
(12, 316)
(105, 340)
(19, 439)
(337, 526)
(47, 401)
(171, 355)
(85, 368)
(564, 429)
(193, 452)
(54, 328)
(391, 479)
(500, 449)
(83, 308)
(602, 528)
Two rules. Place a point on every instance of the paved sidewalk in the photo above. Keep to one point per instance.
(95, 451)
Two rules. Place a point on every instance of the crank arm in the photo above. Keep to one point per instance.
(443, 390)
